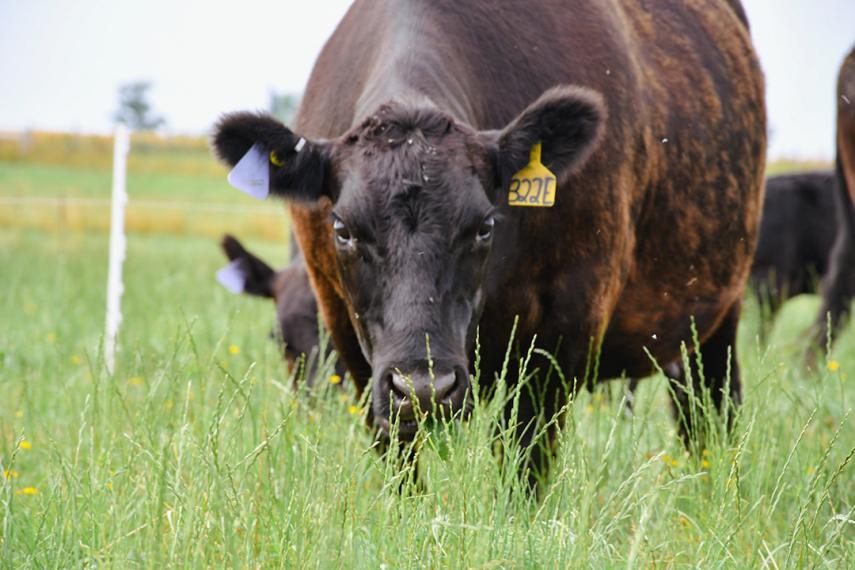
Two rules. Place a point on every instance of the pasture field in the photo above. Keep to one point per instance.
(199, 451)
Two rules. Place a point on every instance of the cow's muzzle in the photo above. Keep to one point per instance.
(418, 393)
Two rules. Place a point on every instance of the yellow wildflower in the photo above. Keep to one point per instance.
(135, 381)
(19, 414)
(9, 473)
(109, 486)
(26, 444)
(675, 463)
(234, 349)
(76, 359)
(705, 464)
(833, 365)
(335, 379)
(27, 491)
(589, 408)
(353, 410)
(51, 337)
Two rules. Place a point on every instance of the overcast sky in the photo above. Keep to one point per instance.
(61, 61)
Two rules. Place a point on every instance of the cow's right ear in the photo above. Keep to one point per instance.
(568, 120)
(298, 168)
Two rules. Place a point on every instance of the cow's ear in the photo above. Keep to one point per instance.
(569, 122)
(298, 168)
(246, 273)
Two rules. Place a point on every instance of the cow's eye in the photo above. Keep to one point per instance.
(485, 232)
(342, 234)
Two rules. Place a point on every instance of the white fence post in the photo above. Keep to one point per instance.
(115, 287)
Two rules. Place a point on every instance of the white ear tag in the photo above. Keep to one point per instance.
(232, 277)
(252, 174)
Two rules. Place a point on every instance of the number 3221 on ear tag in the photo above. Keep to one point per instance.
(534, 185)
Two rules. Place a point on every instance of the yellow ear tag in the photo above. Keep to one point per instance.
(534, 185)
(274, 160)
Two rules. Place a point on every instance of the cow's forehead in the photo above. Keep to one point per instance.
(410, 165)
(387, 182)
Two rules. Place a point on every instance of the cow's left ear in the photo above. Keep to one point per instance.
(569, 122)
(298, 168)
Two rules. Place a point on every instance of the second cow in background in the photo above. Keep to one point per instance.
(296, 309)
(797, 233)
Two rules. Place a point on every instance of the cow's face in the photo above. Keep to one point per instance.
(415, 199)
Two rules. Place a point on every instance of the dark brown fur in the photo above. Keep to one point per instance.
(654, 231)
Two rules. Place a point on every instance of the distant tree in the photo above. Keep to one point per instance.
(134, 109)
(283, 106)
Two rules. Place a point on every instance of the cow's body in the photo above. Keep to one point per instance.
(839, 286)
(654, 231)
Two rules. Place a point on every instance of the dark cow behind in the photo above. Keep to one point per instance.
(418, 114)
(296, 309)
(797, 233)
(838, 288)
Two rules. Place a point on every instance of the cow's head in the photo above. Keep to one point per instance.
(416, 198)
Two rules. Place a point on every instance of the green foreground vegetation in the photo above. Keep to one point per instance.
(199, 451)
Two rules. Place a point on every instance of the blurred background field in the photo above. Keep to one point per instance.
(59, 182)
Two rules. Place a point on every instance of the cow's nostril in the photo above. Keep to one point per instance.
(444, 385)
(423, 388)
(402, 386)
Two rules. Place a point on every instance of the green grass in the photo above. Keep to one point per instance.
(193, 456)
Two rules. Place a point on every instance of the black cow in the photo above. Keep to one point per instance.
(416, 172)
(797, 233)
